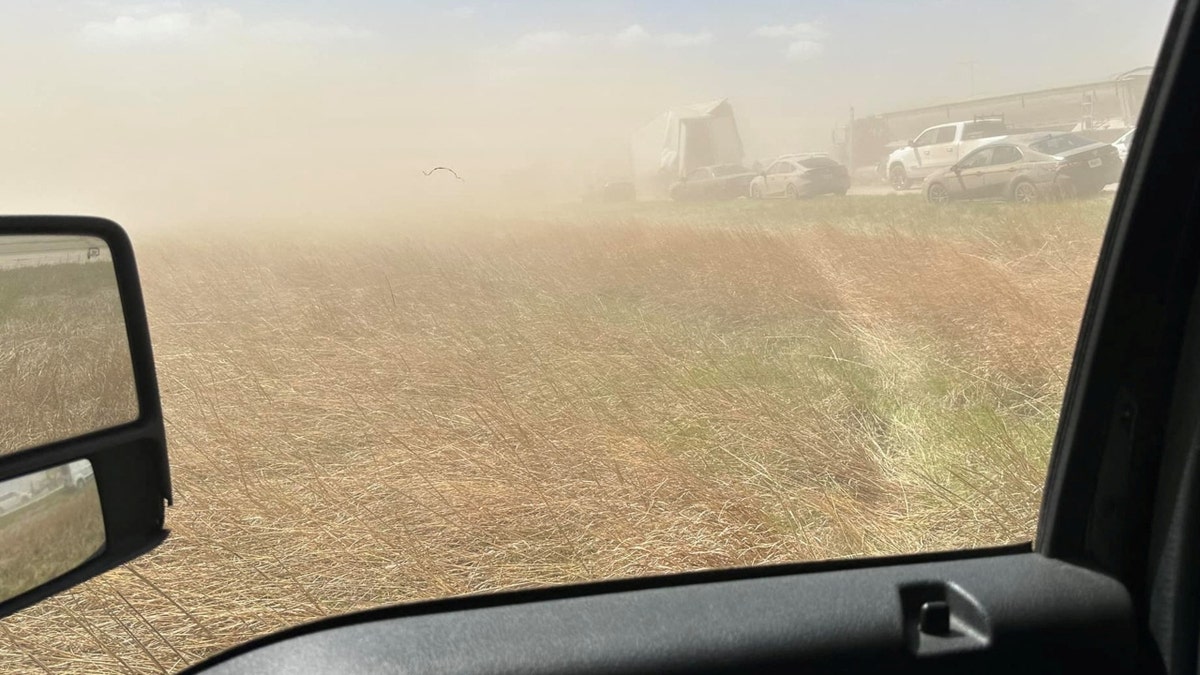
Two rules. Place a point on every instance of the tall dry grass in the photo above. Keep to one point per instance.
(363, 416)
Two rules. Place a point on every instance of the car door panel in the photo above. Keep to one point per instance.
(777, 179)
(972, 181)
(970, 173)
(1131, 372)
(942, 152)
(1005, 164)
(784, 177)
(997, 179)
(767, 180)
(851, 620)
(920, 151)
(1173, 615)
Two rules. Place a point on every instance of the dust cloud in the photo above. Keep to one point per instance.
(174, 114)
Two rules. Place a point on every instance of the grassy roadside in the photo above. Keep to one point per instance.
(369, 415)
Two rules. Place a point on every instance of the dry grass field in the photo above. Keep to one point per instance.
(365, 415)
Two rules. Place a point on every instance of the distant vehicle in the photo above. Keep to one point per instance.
(1026, 168)
(1122, 144)
(11, 501)
(939, 147)
(794, 178)
(78, 474)
(724, 181)
(16, 493)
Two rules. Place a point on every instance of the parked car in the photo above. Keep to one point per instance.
(12, 501)
(939, 147)
(79, 474)
(1028, 167)
(796, 176)
(723, 181)
(1122, 144)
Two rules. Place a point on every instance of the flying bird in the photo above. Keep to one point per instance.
(443, 168)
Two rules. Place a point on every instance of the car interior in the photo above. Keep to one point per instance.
(1110, 585)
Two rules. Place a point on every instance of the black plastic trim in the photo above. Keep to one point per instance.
(129, 461)
(626, 585)
(1042, 616)
(1103, 473)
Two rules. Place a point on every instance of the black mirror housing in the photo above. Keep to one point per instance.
(128, 460)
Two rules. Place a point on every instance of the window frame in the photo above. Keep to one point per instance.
(1090, 464)
(1020, 156)
(951, 130)
(783, 163)
(932, 132)
(975, 154)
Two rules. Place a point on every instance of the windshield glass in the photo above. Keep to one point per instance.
(437, 308)
(1059, 144)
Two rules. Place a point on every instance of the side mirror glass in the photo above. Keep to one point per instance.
(51, 522)
(83, 466)
(67, 369)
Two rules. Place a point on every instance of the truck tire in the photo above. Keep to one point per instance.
(898, 177)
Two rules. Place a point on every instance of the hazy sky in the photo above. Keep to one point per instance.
(180, 111)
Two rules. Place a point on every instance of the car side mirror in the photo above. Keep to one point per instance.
(84, 477)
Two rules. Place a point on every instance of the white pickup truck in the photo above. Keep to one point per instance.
(939, 147)
(79, 473)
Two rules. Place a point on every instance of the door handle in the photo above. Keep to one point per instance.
(942, 618)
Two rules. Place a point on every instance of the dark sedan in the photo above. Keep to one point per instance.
(796, 176)
(1028, 167)
(724, 181)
